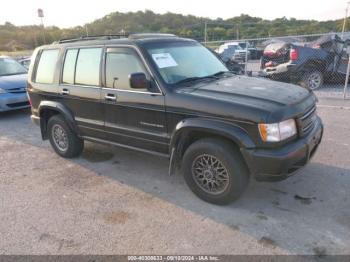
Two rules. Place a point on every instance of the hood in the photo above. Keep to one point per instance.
(13, 81)
(253, 98)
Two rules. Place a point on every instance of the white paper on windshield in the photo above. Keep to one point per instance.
(164, 60)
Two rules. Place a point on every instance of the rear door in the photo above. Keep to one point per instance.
(341, 65)
(80, 89)
(134, 118)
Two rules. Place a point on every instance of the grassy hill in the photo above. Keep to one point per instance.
(14, 38)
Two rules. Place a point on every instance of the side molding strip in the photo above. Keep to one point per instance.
(92, 139)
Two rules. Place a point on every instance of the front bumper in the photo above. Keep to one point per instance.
(239, 57)
(9, 101)
(278, 164)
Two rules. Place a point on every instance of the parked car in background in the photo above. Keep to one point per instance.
(234, 66)
(13, 79)
(25, 61)
(254, 53)
(172, 97)
(232, 51)
(309, 64)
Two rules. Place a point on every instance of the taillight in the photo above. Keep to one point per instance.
(293, 54)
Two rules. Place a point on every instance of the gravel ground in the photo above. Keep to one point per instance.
(116, 201)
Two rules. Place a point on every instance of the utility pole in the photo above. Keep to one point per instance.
(41, 16)
(347, 73)
(345, 18)
(205, 33)
(86, 30)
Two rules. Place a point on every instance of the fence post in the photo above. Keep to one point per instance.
(347, 73)
(246, 58)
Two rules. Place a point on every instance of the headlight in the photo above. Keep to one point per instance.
(2, 91)
(278, 131)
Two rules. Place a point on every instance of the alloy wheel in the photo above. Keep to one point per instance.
(210, 174)
(60, 138)
(314, 80)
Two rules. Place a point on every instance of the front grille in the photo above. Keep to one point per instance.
(18, 90)
(20, 104)
(307, 121)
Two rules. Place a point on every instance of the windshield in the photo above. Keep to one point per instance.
(228, 47)
(9, 66)
(177, 61)
(236, 47)
(243, 45)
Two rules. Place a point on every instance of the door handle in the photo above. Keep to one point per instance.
(110, 97)
(65, 91)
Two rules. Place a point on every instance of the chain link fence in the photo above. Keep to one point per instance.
(318, 61)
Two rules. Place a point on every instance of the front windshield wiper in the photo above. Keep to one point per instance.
(195, 78)
(222, 73)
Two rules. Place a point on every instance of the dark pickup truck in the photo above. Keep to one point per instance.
(170, 96)
(309, 64)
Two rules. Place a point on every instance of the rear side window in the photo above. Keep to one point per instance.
(87, 70)
(69, 66)
(46, 68)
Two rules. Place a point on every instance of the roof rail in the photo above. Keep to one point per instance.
(150, 35)
(93, 37)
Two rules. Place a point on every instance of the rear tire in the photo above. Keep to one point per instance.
(63, 140)
(312, 79)
(215, 171)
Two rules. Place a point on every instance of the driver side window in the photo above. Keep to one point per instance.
(120, 63)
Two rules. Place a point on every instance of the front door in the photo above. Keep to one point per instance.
(134, 118)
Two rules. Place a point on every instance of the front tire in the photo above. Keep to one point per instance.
(63, 140)
(215, 171)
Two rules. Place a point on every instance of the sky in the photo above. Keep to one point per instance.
(69, 13)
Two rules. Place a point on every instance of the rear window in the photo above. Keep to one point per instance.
(276, 46)
(46, 68)
(87, 70)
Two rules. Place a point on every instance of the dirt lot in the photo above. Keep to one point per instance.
(115, 201)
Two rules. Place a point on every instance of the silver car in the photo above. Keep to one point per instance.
(13, 81)
(233, 51)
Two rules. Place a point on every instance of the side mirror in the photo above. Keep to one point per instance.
(139, 81)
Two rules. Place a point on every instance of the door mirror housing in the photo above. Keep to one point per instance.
(139, 81)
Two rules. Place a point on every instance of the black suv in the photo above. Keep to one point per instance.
(171, 96)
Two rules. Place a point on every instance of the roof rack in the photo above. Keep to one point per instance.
(93, 37)
(114, 36)
(150, 35)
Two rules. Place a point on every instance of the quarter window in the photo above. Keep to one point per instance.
(119, 65)
(46, 68)
(88, 67)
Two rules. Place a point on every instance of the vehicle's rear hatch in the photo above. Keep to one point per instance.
(275, 54)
